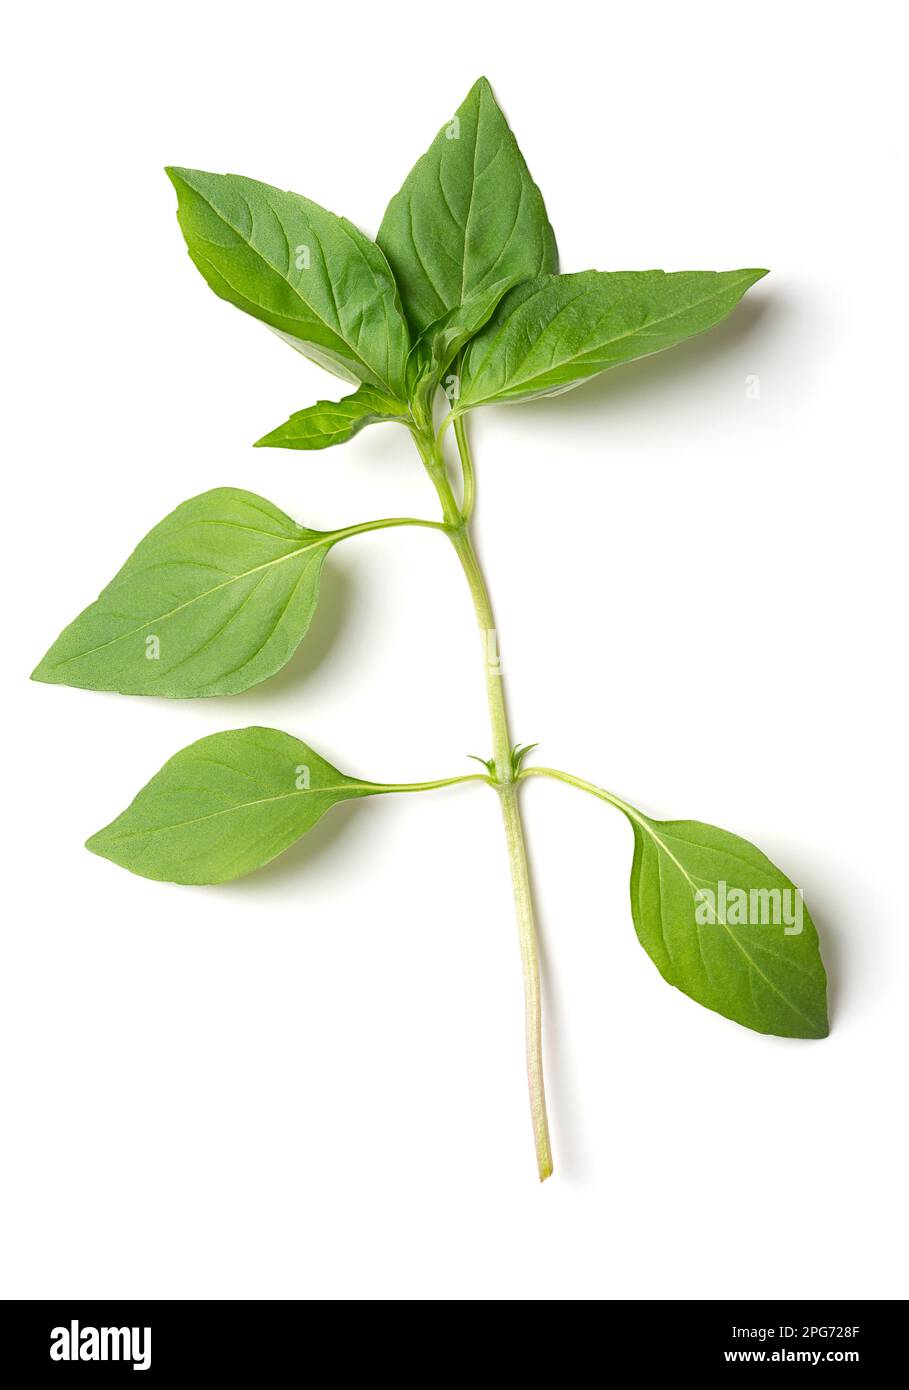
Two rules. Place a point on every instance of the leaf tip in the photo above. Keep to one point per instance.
(43, 672)
(95, 844)
(481, 88)
(809, 1026)
(180, 178)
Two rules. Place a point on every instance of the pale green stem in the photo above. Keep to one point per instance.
(506, 786)
(467, 502)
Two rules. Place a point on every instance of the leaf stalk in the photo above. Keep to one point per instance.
(582, 785)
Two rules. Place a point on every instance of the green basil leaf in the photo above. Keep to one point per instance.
(468, 215)
(557, 331)
(313, 277)
(334, 422)
(224, 806)
(216, 598)
(726, 927)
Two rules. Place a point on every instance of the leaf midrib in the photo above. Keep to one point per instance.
(326, 540)
(240, 806)
(516, 383)
(473, 189)
(277, 271)
(646, 826)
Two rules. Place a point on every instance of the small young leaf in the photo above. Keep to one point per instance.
(224, 806)
(440, 343)
(557, 331)
(518, 754)
(725, 926)
(214, 599)
(468, 214)
(334, 422)
(311, 276)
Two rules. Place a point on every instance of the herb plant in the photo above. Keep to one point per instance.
(458, 300)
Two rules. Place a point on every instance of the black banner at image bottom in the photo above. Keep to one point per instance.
(63, 1340)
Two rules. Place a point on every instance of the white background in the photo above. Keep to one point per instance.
(310, 1083)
